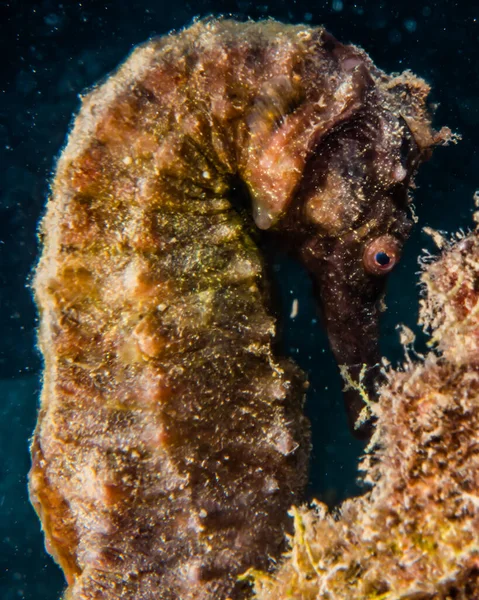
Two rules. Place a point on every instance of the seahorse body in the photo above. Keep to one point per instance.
(171, 440)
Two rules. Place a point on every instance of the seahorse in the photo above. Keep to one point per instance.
(171, 438)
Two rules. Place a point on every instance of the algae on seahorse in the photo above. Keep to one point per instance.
(171, 440)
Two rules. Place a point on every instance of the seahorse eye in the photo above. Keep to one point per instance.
(382, 259)
(381, 255)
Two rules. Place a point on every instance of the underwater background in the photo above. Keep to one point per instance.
(51, 52)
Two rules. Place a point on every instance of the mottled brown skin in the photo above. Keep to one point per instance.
(171, 440)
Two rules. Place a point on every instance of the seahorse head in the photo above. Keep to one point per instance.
(330, 166)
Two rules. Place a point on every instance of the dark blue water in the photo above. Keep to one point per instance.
(51, 51)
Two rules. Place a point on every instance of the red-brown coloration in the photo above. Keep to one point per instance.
(171, 441)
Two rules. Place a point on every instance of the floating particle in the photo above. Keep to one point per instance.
(294, 309)
(410, 25)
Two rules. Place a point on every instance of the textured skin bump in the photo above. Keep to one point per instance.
(171, 441)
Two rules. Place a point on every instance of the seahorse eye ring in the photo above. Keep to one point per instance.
(381, 255)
